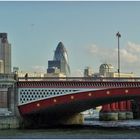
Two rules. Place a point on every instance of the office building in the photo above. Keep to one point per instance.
(60, 61)
(1, 66)
(88, 72)
(5, 54)
(105, 69)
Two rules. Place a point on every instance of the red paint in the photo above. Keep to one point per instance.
(113, 107)
(121, 106)
(128, 105)
(106, 108)
(124, 105)
(117, 106)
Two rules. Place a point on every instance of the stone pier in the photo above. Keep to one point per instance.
(9, 116)
(8, 122)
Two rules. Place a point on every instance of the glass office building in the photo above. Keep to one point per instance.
(60, 60)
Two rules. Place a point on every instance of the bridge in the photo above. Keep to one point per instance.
(56, 98)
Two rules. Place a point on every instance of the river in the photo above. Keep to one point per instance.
(92, 129)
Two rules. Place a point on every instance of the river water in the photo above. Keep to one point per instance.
(92, 129)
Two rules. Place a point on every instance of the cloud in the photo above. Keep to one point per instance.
(105, 55)
(93, 49)
(129, 55)
(132, 47)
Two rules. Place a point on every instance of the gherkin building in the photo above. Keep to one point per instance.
(62, 56)
(60, 60)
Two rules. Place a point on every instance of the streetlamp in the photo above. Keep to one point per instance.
(118, 35)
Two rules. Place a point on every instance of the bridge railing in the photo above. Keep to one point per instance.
(116, 79)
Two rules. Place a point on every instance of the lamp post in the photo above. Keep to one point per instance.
(118, 35)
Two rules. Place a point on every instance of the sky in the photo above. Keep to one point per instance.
(87, 30)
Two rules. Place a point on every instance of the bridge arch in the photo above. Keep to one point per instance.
(79, 101)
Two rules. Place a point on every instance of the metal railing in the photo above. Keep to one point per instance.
(115, 79)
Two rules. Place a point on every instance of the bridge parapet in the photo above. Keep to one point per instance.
(7, 94)
(115, 79)
(77, 84)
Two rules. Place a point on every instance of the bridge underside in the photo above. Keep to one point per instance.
(55, 110)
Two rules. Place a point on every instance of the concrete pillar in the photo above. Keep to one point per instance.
(117, 106)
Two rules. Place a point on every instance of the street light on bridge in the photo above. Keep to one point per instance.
(118, 35)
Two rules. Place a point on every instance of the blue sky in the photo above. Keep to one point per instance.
(87, 29)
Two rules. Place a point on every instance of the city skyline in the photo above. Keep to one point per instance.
(88, 30)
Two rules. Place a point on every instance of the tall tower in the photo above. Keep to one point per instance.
(5, 53)
(62, 56)
(60, 61)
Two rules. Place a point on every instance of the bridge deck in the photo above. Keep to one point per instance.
(73, 95)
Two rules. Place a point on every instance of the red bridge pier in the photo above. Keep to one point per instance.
(116, 111)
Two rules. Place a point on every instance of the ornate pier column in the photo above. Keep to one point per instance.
(108, 113)
(129, 113)
(106, 108)
(122, 110)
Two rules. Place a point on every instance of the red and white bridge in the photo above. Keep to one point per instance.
(54, 97)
